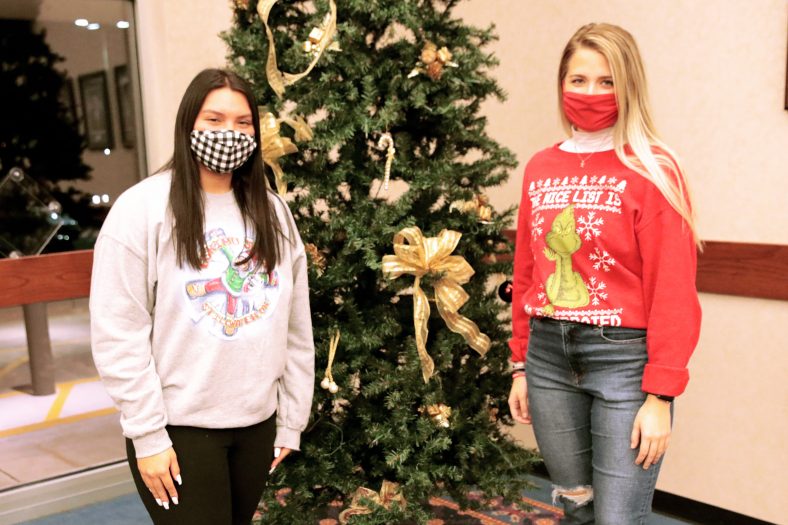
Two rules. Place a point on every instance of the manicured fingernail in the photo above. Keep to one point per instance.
(277, 451)
(178, 479)
(166, 505)
(175, 500)
(158, 501)
(271, 471)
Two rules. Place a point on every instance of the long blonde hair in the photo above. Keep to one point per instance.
(649, 156)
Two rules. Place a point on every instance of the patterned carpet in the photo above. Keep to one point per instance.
(128, 510)
(446, 512)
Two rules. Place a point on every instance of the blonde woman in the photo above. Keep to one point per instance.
(604, 301)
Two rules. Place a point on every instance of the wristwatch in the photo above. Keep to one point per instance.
(669, 399)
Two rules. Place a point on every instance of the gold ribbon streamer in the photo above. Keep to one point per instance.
(276, 78)
(419, 256)
(276, 146)
(388, 496)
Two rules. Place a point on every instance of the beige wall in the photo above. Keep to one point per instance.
(717, 79)
(176, 40)
(717, 74)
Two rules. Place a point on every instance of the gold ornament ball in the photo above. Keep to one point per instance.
(333, 387)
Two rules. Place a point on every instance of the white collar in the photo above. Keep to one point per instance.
(588, 141)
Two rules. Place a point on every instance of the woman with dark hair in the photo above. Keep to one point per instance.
(605, 313)
(200, 319)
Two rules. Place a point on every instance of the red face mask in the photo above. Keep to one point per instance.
(590, 112)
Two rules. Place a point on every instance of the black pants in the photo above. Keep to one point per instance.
(223, 471)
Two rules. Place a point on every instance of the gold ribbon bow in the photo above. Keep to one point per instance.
(276, 78)
(276, 146)
(419, 256)
(388, 496)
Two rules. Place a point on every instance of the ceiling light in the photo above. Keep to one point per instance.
(93, 26)
(81, 22)
(122, 24)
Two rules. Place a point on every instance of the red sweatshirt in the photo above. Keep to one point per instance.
(601, 245)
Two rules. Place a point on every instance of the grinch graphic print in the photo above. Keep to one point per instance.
(568, 220)
(233, 289)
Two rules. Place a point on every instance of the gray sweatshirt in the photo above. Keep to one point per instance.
(220, 347)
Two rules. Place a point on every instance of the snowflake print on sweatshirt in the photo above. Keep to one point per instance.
(602, 260)
(589, 226)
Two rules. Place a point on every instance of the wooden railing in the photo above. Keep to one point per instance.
(45, 278)
(32, 282)
(742, 269)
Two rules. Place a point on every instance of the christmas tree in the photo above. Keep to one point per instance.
(38, 135)
(396, 89)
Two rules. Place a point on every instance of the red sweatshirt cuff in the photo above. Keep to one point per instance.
(519, 348)
(665, 380)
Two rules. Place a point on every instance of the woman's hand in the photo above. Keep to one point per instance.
(279, 455)
(651, 431)
(159, 473)
(518, 400)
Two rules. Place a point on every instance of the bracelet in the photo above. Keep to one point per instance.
(519, 373)
(517, 365)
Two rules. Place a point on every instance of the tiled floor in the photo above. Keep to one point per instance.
(60, 447)
(59, 450)
(69, 331)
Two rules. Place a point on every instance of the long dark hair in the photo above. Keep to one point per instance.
(248, 182)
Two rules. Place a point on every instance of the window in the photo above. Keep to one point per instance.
(70, 142)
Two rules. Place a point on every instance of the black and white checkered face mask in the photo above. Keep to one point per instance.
(222, 151)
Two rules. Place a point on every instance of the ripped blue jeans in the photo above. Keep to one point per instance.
(584, 391)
